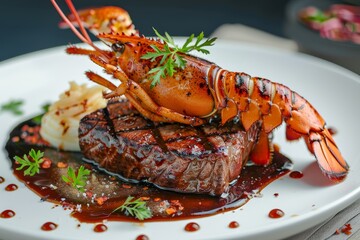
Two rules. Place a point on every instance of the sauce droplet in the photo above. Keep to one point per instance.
(142, 237)
(11, 187)
(49, 226)
(7, 214)
(276, 194)
(192, 227)
(234, 224)
(2, 179)
(296, 174)
(276, 213)
(100, 228)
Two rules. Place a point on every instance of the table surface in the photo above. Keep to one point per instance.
(32, 25)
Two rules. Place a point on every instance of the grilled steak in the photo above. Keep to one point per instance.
(177, 157)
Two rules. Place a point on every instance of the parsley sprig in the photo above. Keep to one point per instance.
(136, 208)
(77, 179)
(170, 57)
(32, 164)
(12, 106)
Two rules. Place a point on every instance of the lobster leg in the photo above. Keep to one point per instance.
(118, 91)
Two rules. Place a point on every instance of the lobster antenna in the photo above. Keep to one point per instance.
(83, 36)
(78, 20)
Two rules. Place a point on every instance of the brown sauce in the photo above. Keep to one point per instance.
(49, 226)
(142, 237)
(296, 174)
(105, 192)
(11, 187)
(100, 228)
(192, 227)
(7, 213)
(276, 213)
(234, 224)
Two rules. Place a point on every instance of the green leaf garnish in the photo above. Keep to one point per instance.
(136, 208)
(33, 164)
(170, 57)
(12, 106)
(77, 179)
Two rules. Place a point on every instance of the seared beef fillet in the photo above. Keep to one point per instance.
(173, 156)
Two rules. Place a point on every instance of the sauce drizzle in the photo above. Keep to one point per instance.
(192, 227)
(234, 224)
(276, 213)
(99, 228)
(11, 187)
(7, 214)
(296, 174)
(142, 237)
(49, 226)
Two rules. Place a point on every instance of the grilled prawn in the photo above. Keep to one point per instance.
(202, 89)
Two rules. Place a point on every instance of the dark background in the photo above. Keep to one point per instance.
(30, 25)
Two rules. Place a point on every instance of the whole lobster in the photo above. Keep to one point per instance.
(201, 90)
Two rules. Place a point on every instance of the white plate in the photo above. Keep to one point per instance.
(40, 77)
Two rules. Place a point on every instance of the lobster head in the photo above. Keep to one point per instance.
(128, 52)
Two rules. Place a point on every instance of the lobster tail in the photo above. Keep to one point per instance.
(328, 155)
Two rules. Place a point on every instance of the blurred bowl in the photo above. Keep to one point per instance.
(344, 53)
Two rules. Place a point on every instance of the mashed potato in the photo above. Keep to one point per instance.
(59, 126)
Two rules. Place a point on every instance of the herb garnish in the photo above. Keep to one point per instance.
(170, 57)
(77, 180)
(12, 106)
(136, 208)
(33, 167)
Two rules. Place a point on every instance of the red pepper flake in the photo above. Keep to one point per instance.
(15, 139)
(170, 211)
(157, 199)
(346, 229)
(46, 163)
(61, 165)
(89, 194)
(126, 186)
(100, 200)
(31, 135)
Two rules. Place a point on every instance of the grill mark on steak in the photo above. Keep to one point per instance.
(204, 159)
